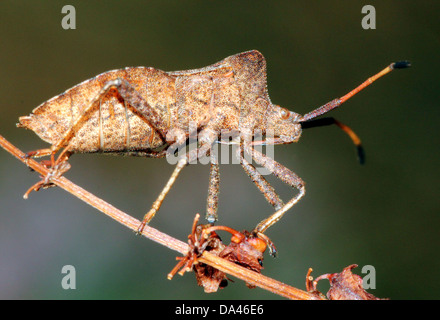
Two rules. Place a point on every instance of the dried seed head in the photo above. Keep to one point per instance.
(258, 244)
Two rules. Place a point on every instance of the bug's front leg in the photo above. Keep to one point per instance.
(285, 175)
(261, 183)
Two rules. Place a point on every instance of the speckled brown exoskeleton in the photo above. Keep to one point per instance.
(142, 111)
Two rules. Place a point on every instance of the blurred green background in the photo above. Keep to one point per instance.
(384, 214)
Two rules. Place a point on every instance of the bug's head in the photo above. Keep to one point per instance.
(283, 124)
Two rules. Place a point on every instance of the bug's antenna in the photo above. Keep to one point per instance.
(329, 121)
(309, 121)
(337, 102)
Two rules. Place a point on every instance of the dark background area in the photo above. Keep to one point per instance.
(384, 214)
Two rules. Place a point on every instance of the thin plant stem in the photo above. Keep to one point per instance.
(166, 240)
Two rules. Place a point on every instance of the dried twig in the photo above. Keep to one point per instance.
(223, 265)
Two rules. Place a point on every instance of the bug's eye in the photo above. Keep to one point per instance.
(285, 114)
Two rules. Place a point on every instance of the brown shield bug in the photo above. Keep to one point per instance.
(143, 111)
(245, 249)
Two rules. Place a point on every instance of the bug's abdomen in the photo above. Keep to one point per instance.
(110, 126)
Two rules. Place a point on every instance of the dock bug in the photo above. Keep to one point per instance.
(142, 111)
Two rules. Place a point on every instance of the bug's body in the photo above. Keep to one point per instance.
(228, 87)
(142, 111)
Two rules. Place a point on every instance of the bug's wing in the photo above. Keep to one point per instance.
(54, 117)
(106, 129)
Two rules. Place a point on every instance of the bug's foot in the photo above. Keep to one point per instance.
(141, 227)
(146, 220)
(38, 153)
(272, 249)
(56, 171)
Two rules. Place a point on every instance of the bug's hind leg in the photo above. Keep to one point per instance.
(57, 169)
(130, 96)
(128, 93)
(38, 153)
(52, 163)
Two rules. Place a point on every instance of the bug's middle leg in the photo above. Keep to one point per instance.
(192, 155)
(213, 190)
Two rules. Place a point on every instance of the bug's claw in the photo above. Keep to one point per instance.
(141, 227)
(36, 187)
(46, 181)
(38, 153)
(272, 249)
(146, 220)
(29, 154)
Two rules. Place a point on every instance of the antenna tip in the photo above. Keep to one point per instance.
(361, 154)
(401, 64)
